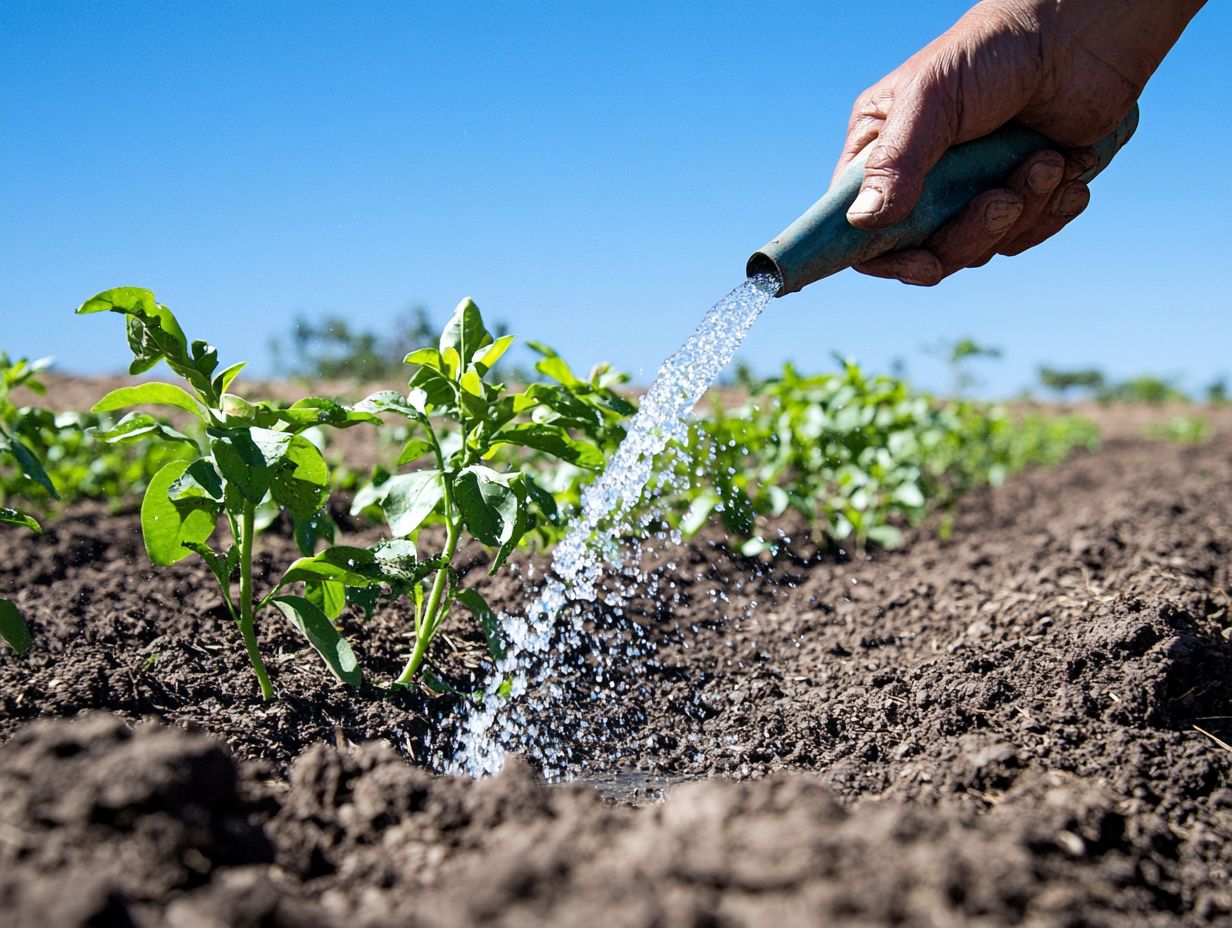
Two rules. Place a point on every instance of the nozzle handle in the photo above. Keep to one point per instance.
(822, 242)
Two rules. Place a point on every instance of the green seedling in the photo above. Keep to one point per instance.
(75, 460)
(249, 461)
(476, 450)
(13, 629)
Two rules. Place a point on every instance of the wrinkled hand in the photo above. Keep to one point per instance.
(1069, 69)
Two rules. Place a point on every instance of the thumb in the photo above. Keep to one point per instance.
(916, 133)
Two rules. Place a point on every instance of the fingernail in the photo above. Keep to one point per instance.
(1044, 177)
(911, 272)
(999, 215)
(868, 203)
(1073, 200)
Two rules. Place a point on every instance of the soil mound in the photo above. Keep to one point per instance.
(105, 825)
(1026, 723)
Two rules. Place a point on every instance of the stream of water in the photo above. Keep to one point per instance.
(560, 623)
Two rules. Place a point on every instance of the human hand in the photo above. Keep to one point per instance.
(1069, 69)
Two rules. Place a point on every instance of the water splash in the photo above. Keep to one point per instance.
(564, 618)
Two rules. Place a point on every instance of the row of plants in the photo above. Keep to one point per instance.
(859, 457)
(74, 455)
(480, 461)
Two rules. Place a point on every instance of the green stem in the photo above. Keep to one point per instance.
(430, 618)
(247, 620)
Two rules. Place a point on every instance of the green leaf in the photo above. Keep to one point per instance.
(119, 300)
(137, 426)
(555, 367)
(300, 478)
(395, 402)
(317, 410)
(200, 487)
(521, 525)
(552, 440)
(223, 381)
(699, 511)
(472, 383)
(154, 334)
(314, 625)
(488, 503)
(486, 359)
(437, 389)
(400, 562)
(887, 536)
(453, 362)
(329, 596)
(487, 621)
(15, 517)
(165, 528)
(408, 499)
(311, 530)
(909, 495)
(429, 357)
(344, 564)
(237, 409)
(541, 498)
(241, 462)
(465, 332)
(13, 628)
(150, 394)
(413, 450)
(27, 462)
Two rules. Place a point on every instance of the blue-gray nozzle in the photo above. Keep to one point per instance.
(822, 242)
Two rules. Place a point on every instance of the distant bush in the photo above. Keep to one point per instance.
(1063, 382)
(1145, 389)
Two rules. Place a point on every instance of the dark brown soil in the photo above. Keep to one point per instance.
(1025, 725)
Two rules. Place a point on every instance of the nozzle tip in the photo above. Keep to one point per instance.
(762, 263)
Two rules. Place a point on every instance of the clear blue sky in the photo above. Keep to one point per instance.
(595, 174)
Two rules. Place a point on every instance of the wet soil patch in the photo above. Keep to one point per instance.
(1027, 724)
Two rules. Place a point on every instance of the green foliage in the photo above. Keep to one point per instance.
(958, 356)
(1145, 389)
(1065, 382)
(13, 629)
(1217, 392)
(250, 461)
(858, 456)
(485, 461)
(476, 453)
(1182, 430)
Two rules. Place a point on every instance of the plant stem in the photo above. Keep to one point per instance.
(430, 619)
(247, 620)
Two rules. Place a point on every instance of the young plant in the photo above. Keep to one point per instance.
(13, 628)
(477, 451)
(30, 472)
(250, 459)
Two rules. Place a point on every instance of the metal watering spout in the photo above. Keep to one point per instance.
(822, 242)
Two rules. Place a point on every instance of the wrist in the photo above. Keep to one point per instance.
(1131, 36)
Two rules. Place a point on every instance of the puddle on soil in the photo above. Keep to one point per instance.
(574, 659)
(630, 787)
